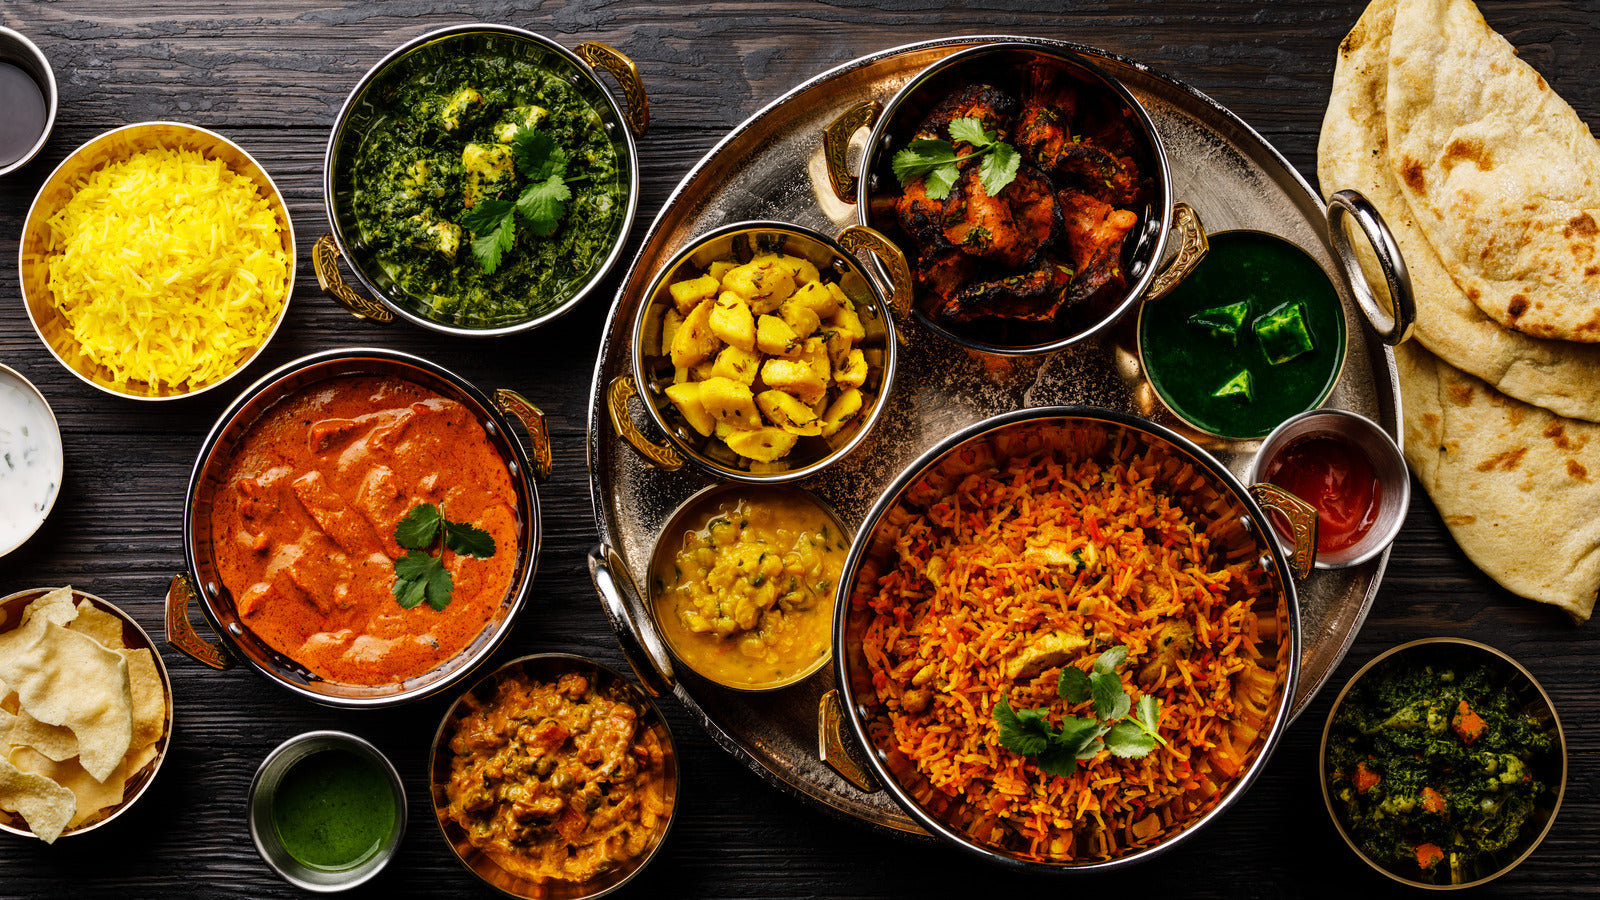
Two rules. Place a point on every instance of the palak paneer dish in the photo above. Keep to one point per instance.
(487, 187)
(745, 597)
(347, 505)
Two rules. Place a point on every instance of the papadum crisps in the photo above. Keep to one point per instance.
(80, 714)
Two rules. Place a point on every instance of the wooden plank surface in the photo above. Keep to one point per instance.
(272, 76)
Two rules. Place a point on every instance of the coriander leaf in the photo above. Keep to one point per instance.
(1073, 685)
(1129, 741)
(537, 156)
(440, 586)
(1057, 760)
(999, 168)
(1149, 713)
(1025, 733)
(408, 593)
(418, 529)
(1110, 659)
(970, 131)
(468, 540)
(413, 575)
(543, 203)
(1110, 700)
(940, 181)
(492, 221)
(1092, 750)
(921, 157)
(1077, 733)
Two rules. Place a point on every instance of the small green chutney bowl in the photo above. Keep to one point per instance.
(264, 789)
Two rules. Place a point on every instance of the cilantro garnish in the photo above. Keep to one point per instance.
(419, 575)
(938, 160)
(1078, 739)
(541, 204)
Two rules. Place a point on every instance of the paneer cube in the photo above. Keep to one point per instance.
(774, 337)
(762, 285)
(460, 109)
(818, 298)
(694, 340)
(841, 411)
(670, 323)
(761, 444)
(443, 237)
(730, 402)
(732, 322)
(794, 377)
(685, 294)
(803, 319)
(854, 371)
(516, 119)
(789, 413)
(686, 397)
(489, 169)
(736, 365)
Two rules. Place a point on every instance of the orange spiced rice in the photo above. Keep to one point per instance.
(1013, 559)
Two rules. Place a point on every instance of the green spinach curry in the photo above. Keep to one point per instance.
(450, 135)
(1433, 765)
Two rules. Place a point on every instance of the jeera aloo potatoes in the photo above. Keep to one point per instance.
(486, 186)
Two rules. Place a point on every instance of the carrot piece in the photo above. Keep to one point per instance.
(1366, 779)
(1432, 800)
(1429, 855)
(1467, 725)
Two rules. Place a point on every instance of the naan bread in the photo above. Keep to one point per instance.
(1518, 487)
(1503, 176)
(1354, 153)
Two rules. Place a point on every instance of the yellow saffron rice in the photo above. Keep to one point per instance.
(168, 267)
(1006, 564)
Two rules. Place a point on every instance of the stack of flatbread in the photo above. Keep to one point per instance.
(1491, 185)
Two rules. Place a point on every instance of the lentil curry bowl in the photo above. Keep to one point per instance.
(1066, 639)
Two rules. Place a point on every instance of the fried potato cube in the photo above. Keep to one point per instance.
(839, 346)
(774, 337)
(670, 323)
(738, 365)
(841, 411)
(853, 373)
(686, 294)
(847, 321)
(686, 397)
(694, 340)
(803, 270)
(765, 444)
(721, 268)
(787, 412)
(814, 353)
(702, 370)
(803, 319)
(732, 322)
(681, 375)
(489, 169)
(839, 294)
(795, 377)
(729, 401)
(764, 285)
(819, 298)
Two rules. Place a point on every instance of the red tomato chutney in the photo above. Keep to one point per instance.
(303, 526)
(1331, 473)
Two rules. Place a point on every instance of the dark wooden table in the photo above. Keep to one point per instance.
(272, 76)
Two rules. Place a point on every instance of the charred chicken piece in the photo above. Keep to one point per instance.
(1006, 230)
(1095, 232)
(945, 271)
(1034, 296)
(921, 217)
(992, 107)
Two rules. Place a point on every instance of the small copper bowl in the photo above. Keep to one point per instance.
(1550, 767)
(547, 668)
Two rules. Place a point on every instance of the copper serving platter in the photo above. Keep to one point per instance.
(772, 167)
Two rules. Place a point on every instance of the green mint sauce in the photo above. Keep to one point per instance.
(333, 809)
(1187, 364)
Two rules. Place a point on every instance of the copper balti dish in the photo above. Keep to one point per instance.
(357, 115)
(1015, 70)
(1216, 502)
(201, 581)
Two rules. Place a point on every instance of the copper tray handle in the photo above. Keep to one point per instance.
(511, 403)
(622, 390)
(180, 632)
(642, 647)
(836, 145)
(1192, 248)
(605, 56)
(325, 260)
(1302, 518)
(1392, 327)
(835, 750)
(856, 238)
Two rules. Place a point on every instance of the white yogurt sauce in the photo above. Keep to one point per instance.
(30, 460)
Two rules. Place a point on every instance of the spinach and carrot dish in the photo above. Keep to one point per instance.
(1434, 765)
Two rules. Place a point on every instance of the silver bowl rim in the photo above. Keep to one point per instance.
(55, 428)
(51, 94)
(521, 584)
(886, 500)
(619, 122)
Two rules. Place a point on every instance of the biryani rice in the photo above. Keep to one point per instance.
(1081, 538)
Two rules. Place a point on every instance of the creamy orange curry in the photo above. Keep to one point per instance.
(303, 526)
